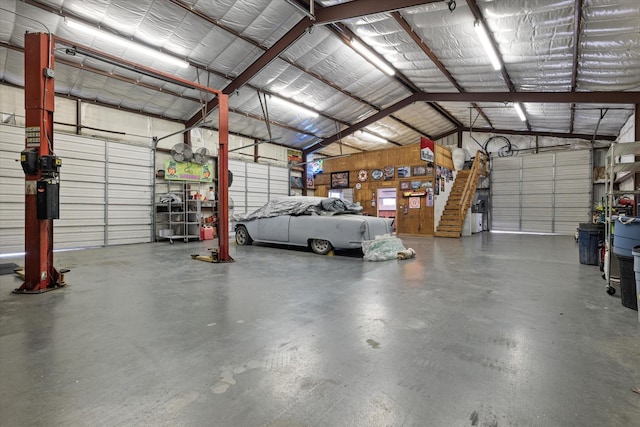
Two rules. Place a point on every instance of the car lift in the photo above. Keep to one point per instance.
(41, 168)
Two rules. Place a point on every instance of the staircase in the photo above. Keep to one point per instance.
(461, 197)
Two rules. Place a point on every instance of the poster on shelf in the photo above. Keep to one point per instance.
(187, 171)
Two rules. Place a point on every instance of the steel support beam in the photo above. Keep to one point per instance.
(354, 9)
(436, 61)
(614, 97)
(536, 133)
(39, 92)
(356, 127)
(223, 135)
(272, 53)
(577, 17)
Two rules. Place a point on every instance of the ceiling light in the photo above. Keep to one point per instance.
(111, 38)
(371, 57)
(309, 12)
(296, 107)
(518, 109)
(488, 46)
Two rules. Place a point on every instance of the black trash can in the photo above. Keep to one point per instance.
(589, 238)
(627, 283)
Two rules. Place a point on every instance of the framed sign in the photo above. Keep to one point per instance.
(340, 180)
(414, 202)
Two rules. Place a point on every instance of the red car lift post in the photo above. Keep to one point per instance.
(39, 273)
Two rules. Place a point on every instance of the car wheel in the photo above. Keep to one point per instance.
(321, 247)
(242, 236)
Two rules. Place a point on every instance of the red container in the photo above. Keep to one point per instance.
(207, 233)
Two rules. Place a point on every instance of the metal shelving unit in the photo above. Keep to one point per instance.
(177, 219)
(614, 167)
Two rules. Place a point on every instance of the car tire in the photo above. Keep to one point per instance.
(242, 236)
(319, 246)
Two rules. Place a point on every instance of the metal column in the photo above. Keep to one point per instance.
(39, 273)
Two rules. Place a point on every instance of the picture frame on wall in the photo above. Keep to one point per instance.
(405, 185)
(340, 180)
(419, 170)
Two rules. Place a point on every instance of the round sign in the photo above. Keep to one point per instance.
(358, 186)
(362, 175)
(377, 174)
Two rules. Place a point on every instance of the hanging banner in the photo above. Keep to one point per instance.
(187, 171)
(427, 149)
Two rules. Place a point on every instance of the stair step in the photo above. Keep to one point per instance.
(448, 234)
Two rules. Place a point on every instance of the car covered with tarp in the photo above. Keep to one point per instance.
(321, 223)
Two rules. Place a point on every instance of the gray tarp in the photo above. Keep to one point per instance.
(302, 205)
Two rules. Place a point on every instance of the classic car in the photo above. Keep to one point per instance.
(311, 221)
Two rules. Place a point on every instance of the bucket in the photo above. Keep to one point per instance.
(626, 235)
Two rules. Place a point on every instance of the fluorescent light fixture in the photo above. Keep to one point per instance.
(520, 112)
(309, 12)
(296, 107)
(488, 46)
(371, 57)
(120, 41)
(373, 138)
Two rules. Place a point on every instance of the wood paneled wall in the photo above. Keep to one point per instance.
(408, 221)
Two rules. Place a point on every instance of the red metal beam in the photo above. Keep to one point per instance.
(613, 97)
(354, 9)
(539, 133)
(577, 18)
(366, 122)
(272, 53)
(39, 273)
(436, 61)
(223, 135)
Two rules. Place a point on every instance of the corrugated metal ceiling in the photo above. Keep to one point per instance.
(319, 69)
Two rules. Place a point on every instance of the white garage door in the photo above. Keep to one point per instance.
(541, 193)
(105, 192)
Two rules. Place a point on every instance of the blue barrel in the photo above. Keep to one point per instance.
(626, 235)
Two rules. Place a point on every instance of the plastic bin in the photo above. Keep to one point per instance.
(626, 235)
(589, 238)
(636, 270)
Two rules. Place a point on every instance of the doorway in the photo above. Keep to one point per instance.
(386, 203)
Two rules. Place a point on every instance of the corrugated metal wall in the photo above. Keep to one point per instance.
(544, 193)
(105, 192)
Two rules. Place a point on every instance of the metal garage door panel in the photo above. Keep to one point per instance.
(505, 201)
(506, 163)
(581, 187)
(505, 176)
(506, 188)
(541, 187)
(543, 161)
(238, 189)
(11, 190)
(573, 157)
(82, 179)
(537, 200)
(537, 226)
(278, 182)
(130, 193)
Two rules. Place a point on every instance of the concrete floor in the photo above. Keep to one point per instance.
(490, 330)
